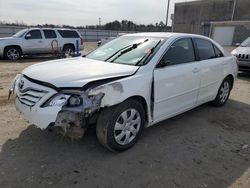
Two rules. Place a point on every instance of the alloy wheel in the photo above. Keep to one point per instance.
(69, 52)
(13, 54)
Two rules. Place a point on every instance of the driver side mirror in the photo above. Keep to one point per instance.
(237, 44)
(28, 36)
(163, 64)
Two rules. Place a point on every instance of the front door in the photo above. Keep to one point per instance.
(33, 42)
(176, 84)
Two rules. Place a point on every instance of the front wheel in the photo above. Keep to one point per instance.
(223, 93)
(119, 127)
(12, 53)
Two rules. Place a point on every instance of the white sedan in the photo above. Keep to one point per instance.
(130, 83)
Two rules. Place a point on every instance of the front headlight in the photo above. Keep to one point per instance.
(233, 52)
(57, 100)
(74, 100)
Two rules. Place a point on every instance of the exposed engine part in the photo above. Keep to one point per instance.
(72, 119)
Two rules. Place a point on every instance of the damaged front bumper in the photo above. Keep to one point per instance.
(45, 107)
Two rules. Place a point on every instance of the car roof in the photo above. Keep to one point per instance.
(51, 28)
(165, 35)
(176, 35)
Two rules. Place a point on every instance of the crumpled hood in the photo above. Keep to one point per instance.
(76, 72)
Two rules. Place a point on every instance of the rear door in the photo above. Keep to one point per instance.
(176, 85)
(51, 42)
(211, 60)
(33, 42)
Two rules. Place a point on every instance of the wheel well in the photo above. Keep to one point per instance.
(13, 46)
(69, 44)
(143, 102)
(231, 78)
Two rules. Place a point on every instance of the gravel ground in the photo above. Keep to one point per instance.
(205, 147)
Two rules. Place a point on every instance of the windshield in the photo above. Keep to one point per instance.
(246, 43)
(20, 34)
(129, 50)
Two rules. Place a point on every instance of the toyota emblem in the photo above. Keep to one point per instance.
(21, 84)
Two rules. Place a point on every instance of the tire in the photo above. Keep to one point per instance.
(68, 50)
(12, 53)
(223, 93)
(111, 129)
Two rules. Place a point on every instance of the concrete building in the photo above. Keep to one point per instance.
(227, 21)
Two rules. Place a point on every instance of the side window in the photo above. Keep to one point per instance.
(217, 51)
(181, 51)
(49, 34)
(205, 49)
(35, 34)
(68, 34)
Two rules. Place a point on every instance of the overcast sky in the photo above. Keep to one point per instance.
(82, 12)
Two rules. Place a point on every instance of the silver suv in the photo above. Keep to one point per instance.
(242, 52)
(40, 41)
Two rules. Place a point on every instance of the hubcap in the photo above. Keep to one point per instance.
(13, 54)
(224, 92)
(127, 126)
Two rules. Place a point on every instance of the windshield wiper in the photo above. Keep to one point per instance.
(146, 56)
(125, 50)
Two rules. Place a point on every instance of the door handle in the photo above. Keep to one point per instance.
(40, 41)
(196, 70)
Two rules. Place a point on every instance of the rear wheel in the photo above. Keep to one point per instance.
(12, 53)
(68, 50)
(118, 128)
(223, 93)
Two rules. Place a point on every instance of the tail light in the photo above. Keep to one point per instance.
(82, 41)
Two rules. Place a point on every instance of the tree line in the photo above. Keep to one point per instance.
(124, 25)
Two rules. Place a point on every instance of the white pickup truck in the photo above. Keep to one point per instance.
(40, 41)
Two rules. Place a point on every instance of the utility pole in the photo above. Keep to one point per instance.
(167, 13)
(100, 21)
(234, 6)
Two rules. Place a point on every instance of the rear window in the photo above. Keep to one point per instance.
(68, 34)
(49, 34)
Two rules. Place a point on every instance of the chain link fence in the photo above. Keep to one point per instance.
(88, 34)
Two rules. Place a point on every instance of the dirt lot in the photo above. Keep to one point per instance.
(205, 147)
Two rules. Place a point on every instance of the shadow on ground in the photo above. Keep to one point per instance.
(201, 148)
(244, 76)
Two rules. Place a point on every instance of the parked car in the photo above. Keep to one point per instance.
(132, 82)
(242, 52)
(40, 41)
(105, 40)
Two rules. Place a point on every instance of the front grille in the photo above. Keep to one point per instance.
(30, 96)
(243, 57)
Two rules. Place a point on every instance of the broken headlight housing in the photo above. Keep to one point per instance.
(74, 100)
(57, 100)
